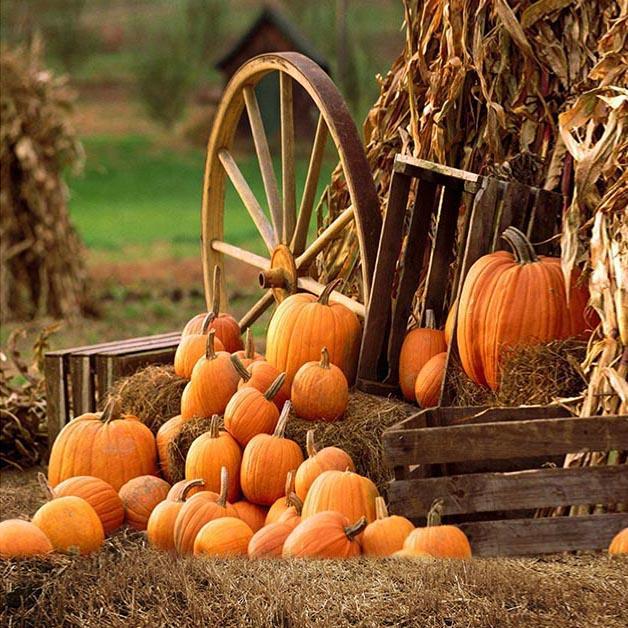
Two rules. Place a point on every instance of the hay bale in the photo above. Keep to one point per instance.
(178, 448)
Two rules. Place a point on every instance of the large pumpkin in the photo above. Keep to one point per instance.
(304, 324)
(165, 435)
(260, 374)
(191, 348)
(22, 539)
(227, 536)
(511, 299)
(104, 445)
(429, 381)
(140, 496)
(385, 535)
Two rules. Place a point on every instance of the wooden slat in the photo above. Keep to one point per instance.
(436, 173)
(257, 310)
(545, 221)
(514, 211)
(57, 402)
(288, 180)
(500, 441)
(520, 490)
(257, 261)
(83, 386)
(517, 537)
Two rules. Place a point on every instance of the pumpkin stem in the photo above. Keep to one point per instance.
(111, 411)
(289, 485)
(224, 486)
(187, 487)
(207, 321)
(216, 289)
(435, 514)
(329, 288)
(214, 431)
(249, 345)
(283, 419)
(522, 249)
(356, 528)
(210, 352)
(241, 370)
(324, 358)
(294, 500)
(45, 486)
(430, 319)
(310, 445)
(275, 387)
(380, 508)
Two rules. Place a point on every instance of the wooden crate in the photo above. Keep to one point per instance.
(77, 378)
(455, 454)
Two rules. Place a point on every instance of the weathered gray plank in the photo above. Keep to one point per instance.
(436, 173)
(57, 403)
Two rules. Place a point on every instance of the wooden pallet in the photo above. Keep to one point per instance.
(459, 461)
(77, 378)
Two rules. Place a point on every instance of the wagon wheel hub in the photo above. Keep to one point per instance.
(281, 277)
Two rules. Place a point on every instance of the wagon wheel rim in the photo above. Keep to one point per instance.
(285, 230)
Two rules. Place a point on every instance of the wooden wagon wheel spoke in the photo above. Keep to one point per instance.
(257, 310)
(313, 286)
(288, 181)
(240, 254)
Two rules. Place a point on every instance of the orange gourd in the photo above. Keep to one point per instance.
(619, 544)
(303, 324)
(287, 501)
(440, 541)
(266, 461)
(165, 435)
(450, 322)
(228, 536)
(260, 374)
(140, 496)
(268, 541)
(248, 354)
(104, 445)
(192, 347)
(22, 539)
(429, 381)
(419, 345)
(327, 534)
(209, 453)
(253, 515)
(385, 535)
(327, 459)
(251, 412)
(320, 391)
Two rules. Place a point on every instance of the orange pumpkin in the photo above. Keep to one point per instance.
(71, 524)
(140, 496)
(385, 535)
(287, 501)
(327, 459)
(248, 354)
(410, 554)
(450, 322)
(266, 461)
(268, 541)
(165, 435)
(303, 324)
(104, 445)
(619, 544)
(209, 453)
(342, 491)
(191, 349)
(197, 511)
(429, 381)
(419, 345)
(22, 539)
(160, 526)
(251, 412)
(228, 536)
(260, 374)
(327, 534)
(177, 487)
(511, 299)
(320, 391)
(440, 541)
(253, 515)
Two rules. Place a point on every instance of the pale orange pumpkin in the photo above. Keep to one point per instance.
(303, 324)
(165, 435)
(260, 374)
(268, 541)
(227, 536)
(326, 534)
(619, 544)
(419, 345)
(253, 515)
(320, 391)
(140, 496)
(429, 381)
(22, 539)
(385, 535)
(209, 453)
(266, 461)
(248, 354)
(104, 445)
(191, 349)
(287, 501)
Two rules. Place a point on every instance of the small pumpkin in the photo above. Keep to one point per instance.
(191, 349)
(440, 541)
(160, 526)
(385, 535)
(105, 445)
(253, 515)
(209, 453)
(228, 536)
(140, 496)
(165, 435)
(251, 412)
(248, 354)
(288, 500)
(268, 541)
(303, 324)
(326, 534)
(320, 391)
(260, 374)
(213, 382)
(266, 461)
(22, 539)
(419, 345)
(327, 459)
(429, 381)
(71, 524)
(619, 544)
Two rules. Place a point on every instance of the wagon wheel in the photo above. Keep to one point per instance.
(283, 230)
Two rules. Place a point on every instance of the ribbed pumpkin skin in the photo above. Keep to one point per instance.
(322, 536)
(440, 541)
(268, 541)
(165, 435)
(419, 345)
(114, 451)
(248, 414)
(190, 350)
(101, 496)
(140, 496)
(227, 330)
(429, 381)
(385, 535)
(302, 326)
(253, 515)
(619, 544)
(71, 524)
(342, 491)
(21, 539)
(263, 375)
(177, 487)
(223, 537)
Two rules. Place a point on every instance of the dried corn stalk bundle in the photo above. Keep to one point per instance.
(41, 267)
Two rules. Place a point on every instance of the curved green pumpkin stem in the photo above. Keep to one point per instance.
(216, 288)
(355, 529)
(45, 486)
(292, 499)
(329, 288)
(310, 444)
(283, 419)
(241, 370)
(111, 411)
(224, 487)
(381, 511)
(324, 363)
(187, 487)
(522, 249)
(430, 319)
(210, 351)
(275, 387)
(214, 429)
(435, 514)
(207, 321)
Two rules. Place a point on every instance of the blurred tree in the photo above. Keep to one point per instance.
(205, 21)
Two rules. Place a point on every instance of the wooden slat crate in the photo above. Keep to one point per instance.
(459, 461)
(77, 378)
